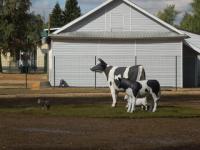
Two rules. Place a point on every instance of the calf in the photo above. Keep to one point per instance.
(133, 73)
(139, 102)
(140, 89)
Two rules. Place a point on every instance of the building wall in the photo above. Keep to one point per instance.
(75, 58)
(40, 58)
(118, 16)
(190, 69)
(198, 70)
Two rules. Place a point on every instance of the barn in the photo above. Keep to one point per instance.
(122, 34)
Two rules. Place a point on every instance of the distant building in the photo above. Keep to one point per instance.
(42, 50)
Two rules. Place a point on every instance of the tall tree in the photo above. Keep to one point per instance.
(168, 14)
(16, 27)
(71, 11)
(191, 22)
(56, 17)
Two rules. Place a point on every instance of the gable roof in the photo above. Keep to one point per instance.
(127, 2)
(193, 42)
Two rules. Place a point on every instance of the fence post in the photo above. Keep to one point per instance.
(176, 67)
(135, 60)
(26, 77)
(95, 74)
(54, 68)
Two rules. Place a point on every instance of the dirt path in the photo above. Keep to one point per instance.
(48, 133)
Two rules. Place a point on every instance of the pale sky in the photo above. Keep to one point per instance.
(44, 7)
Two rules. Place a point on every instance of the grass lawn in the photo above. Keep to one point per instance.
(104, 111)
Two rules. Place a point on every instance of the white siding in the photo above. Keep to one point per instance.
(74, 60)
(159, 61)
(50, 65)
(118, 16)
(159, 48)
(40, 58)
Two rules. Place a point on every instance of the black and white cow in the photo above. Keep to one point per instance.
(140, 89)
(132, 73)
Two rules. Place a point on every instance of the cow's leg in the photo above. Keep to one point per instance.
(129, 104)
(114, 96)
(155, 99)
(133, 102)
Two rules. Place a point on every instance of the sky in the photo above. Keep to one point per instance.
(44, 7)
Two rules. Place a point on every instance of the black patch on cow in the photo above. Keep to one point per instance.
(133, 73)
(110, 83)
(107, 70)
(123, 83)
(136, 86)
(154, 85)
(119, 71)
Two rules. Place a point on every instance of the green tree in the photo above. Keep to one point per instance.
(35, 24)
(56, 17)
(191, 22)
(17, 27)
(71, 11)
(168, 14)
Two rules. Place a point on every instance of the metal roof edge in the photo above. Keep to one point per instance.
(192, 46)
(53, 36)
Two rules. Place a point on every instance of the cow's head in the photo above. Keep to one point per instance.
(99, 67)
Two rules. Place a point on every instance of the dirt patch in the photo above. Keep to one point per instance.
(42, 133)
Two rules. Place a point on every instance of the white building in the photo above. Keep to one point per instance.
(122, 34)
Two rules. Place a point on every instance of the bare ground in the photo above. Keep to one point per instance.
(46, 133)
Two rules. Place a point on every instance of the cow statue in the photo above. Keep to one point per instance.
(132, 73)
(140, 89)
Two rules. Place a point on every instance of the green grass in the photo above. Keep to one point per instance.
(104, 111)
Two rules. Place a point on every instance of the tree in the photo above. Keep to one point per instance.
(187, 22)
(34, 30)
(191, 22)
(56, 17)
(71, 11)
(168, 14)
(17, 27)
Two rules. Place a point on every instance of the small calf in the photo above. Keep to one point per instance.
(44, 104)
(140, 89)
(139, 102)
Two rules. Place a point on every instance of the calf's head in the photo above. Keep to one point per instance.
(123, 83)
(99, 67)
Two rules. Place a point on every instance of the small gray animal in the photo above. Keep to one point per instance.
(45, 104)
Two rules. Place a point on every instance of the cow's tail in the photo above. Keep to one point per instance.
(141, 73)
